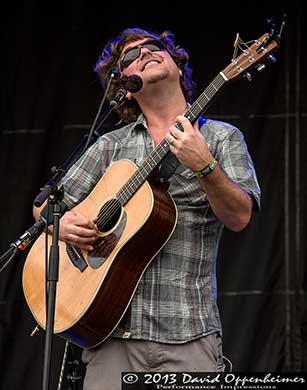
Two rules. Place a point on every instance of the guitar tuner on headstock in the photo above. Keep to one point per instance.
(273, 29)
(260, 67)
(272, 58)
(248, 77)
(253, 54)
(273, 34)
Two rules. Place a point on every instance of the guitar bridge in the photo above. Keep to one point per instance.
(76, 257)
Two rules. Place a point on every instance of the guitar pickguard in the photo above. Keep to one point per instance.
(104, 245)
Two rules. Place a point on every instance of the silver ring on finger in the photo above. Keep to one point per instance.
(172, 141)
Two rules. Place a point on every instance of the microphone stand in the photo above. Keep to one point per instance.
(37, 228)
(51, 283)
(53, 272)
(54, 195)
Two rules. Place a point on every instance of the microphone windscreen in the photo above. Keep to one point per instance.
(133, 83)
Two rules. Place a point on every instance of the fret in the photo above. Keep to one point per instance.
(164, 144)
(207, 97)
(161, 151)
(149, 164)
(199, 105)
(145, 169)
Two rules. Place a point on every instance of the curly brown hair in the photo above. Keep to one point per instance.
(107, 63)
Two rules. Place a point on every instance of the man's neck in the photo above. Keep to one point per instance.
(161, 113)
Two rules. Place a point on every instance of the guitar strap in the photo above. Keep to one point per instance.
(170, 164)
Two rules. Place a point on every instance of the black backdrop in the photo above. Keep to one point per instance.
(49, 98)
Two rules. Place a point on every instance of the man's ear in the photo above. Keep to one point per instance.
(129, 95)
(180, 72)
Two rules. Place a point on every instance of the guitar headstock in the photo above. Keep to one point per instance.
(252, 56)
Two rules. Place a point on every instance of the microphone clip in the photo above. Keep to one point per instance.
(118, 98)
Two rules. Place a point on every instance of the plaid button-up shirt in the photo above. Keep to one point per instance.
(176, 299)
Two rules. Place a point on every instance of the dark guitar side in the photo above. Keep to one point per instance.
(122, 278)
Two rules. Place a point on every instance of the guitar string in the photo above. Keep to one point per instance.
(132, 184)
(212, 89)
(130, 187)
(135, 181)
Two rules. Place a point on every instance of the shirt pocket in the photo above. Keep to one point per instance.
(186, 189)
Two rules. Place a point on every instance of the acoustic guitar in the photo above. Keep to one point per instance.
(136, 217)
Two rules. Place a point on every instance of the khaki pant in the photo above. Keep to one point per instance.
(114, 356)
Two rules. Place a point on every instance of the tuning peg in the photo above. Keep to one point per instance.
(260, 67)
(248, 76)
(272, 58)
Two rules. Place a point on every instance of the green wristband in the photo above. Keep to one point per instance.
(208, 169)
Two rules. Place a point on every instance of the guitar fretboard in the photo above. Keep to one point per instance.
(155, 158)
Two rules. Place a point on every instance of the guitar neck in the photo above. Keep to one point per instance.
(205, 98)
(155, 158)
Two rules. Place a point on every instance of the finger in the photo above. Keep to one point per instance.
(83, 232)
(88, 223)
(171, 140)
(81, 220)
(75, 234)
(175, 133)
(185, 123)
(80, 242)
(196, 126)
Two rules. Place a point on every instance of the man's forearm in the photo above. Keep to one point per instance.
(229, 202)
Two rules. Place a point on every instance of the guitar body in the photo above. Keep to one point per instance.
(92, 297)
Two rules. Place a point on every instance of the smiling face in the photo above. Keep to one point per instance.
(148, 59)
(131, 53)
(170, 65)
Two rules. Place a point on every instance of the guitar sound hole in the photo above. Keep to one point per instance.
(109, 215)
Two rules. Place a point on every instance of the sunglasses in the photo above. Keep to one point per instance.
(132, 54)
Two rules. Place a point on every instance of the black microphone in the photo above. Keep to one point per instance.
(29, 235)
(132, 83)
(46, 216)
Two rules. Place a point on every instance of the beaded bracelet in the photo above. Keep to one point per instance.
(208, 169)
